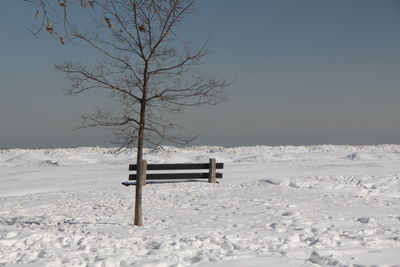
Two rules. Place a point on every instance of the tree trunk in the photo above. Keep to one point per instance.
(139, 158)
(139, 172)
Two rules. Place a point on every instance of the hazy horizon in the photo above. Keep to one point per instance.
(225, 141)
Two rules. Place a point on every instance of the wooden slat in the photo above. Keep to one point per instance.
(177, 166)
(160, 176)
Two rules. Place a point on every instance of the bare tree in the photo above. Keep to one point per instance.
(146, 67)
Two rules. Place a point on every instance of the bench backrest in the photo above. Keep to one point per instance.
(211, 174)
(177, 166)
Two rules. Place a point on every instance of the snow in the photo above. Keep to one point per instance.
(276, 206)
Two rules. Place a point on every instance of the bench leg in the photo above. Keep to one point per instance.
(212, 171)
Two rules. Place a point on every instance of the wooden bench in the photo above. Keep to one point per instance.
(211, 175)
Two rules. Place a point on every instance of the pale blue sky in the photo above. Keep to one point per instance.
(307, 72)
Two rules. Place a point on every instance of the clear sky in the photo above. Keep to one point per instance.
(306, 72)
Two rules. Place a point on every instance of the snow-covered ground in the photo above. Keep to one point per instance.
(276, 206)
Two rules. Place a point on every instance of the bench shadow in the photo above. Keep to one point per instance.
(165, 182)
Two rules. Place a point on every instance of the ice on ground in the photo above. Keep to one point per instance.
(276, 206)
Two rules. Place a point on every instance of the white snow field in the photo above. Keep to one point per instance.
(276, 206)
